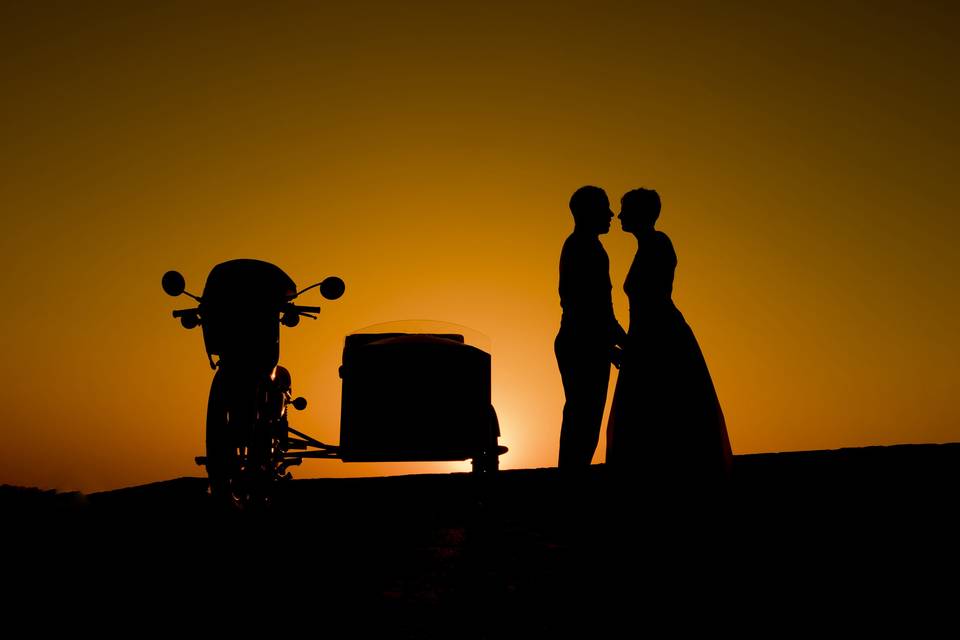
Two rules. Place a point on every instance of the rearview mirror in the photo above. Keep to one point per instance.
(173, 283)
(332, 288)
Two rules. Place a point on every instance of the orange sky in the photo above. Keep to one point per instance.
(806, 157)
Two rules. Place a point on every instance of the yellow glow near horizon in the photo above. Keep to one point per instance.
(805, 157)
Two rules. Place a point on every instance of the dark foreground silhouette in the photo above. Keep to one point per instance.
(799, 537)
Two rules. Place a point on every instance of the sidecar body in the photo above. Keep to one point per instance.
(415, 396)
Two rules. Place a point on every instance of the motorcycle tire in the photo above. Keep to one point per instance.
(488, 459)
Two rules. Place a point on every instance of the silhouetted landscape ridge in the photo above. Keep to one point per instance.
(537, 545)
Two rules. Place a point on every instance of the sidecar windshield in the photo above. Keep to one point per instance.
(447, 330)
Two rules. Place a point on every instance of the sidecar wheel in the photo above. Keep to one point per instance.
(488, 460)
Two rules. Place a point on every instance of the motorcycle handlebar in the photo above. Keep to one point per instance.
(300, 309)
(180, 313)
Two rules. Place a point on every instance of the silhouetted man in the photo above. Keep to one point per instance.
(589, 332)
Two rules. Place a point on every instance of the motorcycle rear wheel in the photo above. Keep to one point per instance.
(239, 450)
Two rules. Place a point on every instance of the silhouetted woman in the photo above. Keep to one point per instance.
(666, 423)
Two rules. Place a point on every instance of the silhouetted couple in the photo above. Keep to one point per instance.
(666, 422)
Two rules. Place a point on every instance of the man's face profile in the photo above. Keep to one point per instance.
(601, 214)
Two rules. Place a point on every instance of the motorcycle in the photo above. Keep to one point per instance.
(248, 438)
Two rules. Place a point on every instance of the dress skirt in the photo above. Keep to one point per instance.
(666, 421)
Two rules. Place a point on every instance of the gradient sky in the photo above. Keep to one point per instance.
(805, 155)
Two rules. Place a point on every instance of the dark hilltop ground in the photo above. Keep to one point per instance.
(864, 534)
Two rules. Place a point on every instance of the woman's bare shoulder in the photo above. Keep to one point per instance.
(664, 244)
(662, 239)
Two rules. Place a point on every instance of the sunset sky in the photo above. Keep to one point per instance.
(805, 153)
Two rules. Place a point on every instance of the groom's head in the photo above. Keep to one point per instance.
(591, 209)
